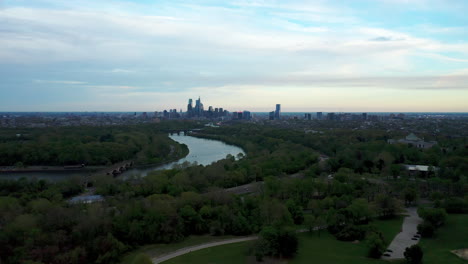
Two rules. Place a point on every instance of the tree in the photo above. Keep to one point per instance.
(413, 254)
(435, 216)
(375, 246)
(395, 170)
(359, 211)
(309, 222)
(276, 242)
(295, 211)
(387, 206)
(410, 195)
(426, 229)
(456, 205)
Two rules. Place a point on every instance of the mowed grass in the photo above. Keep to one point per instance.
(155, 250)
(453, 235)
(312, 248)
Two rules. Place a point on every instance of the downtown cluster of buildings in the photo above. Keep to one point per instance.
(198, 111)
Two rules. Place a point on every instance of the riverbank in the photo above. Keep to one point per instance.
(177, 151)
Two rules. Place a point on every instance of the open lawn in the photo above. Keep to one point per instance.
(453, 235)
(323, 249)
(161, 249)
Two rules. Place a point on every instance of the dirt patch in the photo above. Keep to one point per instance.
(462, 253)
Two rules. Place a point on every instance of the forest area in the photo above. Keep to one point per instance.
(368, 182)
(92, 146)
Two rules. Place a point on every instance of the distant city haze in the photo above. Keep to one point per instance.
(308, 56)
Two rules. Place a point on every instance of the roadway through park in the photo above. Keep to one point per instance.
(186, 250)
(406, 237)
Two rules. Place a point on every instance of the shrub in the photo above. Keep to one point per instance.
(414, 254)
(435, 216)
(456, 205)
(351, 232)
(375, 246)
(276, 242)
(426, 229)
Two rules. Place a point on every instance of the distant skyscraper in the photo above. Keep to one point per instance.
(278, 112)
(271, 116)
(319, 115)
(198, 107)
(247, 115)
(190, 108)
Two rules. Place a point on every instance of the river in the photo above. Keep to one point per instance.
(202, 151)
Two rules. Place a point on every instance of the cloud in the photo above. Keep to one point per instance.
(122, 71)
(175, 47)
(59, 82)
(382, 38)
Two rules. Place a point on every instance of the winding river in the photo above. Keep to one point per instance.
(202, 151)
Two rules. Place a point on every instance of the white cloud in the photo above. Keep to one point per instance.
(59, 82)
(186, 45)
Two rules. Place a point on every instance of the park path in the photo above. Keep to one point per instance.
(404, 239)
(186, 250)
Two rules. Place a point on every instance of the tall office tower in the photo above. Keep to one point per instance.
(278, 111)
(308, 116)
(190, 108)
(319, 115)
(247, 115)
(198, 107)
(271, 116)
(364, 116)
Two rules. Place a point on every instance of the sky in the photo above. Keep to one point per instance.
(151, 55)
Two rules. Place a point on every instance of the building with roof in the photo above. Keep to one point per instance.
(420, 170)
(86, 199)
(413, 140)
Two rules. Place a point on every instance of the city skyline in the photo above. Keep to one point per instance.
(310, 56)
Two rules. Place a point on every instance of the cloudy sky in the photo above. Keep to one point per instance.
(150, 55)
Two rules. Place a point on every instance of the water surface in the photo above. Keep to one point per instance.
(202, 151)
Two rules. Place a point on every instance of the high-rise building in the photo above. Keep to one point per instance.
(319, 115)
(308, 116)
(271, 116)
(198, 107)
(190, 108)
(247, 115)
(278, 112)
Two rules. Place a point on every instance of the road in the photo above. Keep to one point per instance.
(186, 250)
(404, 239)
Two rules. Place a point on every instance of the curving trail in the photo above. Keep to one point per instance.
(186, 250)
(404, 239)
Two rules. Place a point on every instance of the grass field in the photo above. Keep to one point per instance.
(161, 249)
(323, 249)
(453, 235)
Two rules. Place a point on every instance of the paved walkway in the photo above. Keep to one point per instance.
(404, 238)
(186, 250)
